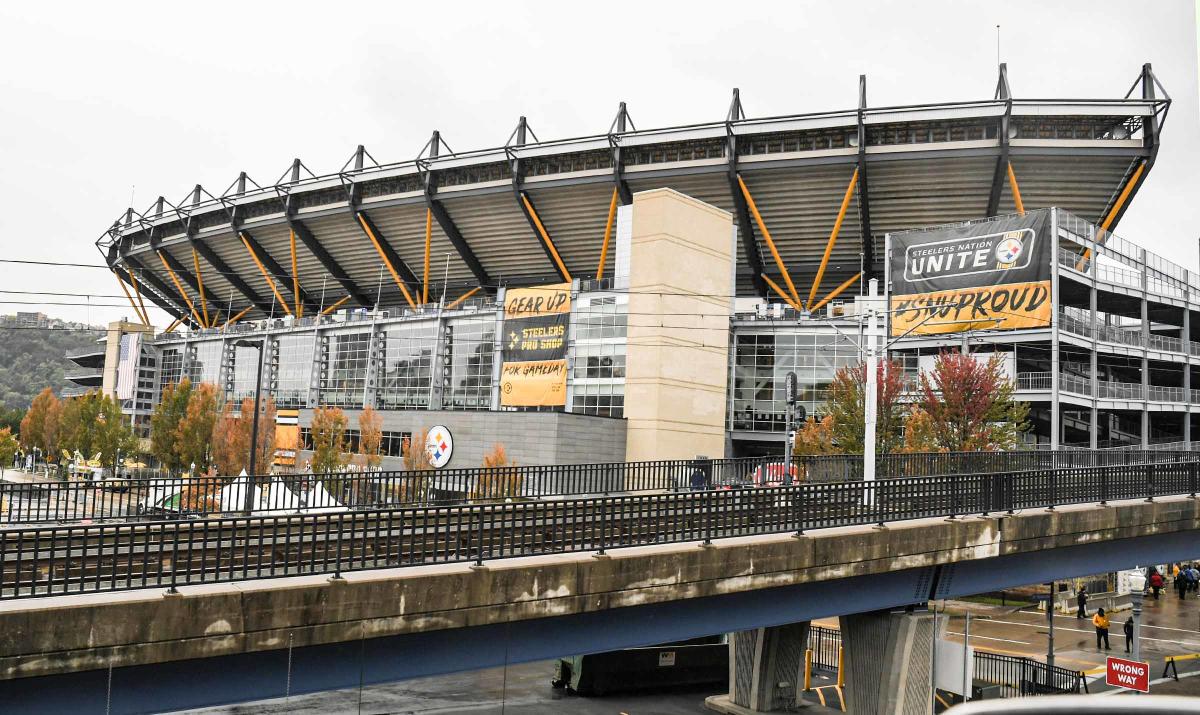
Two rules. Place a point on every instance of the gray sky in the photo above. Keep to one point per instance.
(97, 99)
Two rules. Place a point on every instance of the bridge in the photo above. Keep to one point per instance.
(157, 615)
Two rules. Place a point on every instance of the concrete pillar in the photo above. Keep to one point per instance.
(766, 667)
(1094, 366)
(1145, 315)
(888, 661)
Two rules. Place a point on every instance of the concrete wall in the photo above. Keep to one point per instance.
(680, 280)
(529, 437)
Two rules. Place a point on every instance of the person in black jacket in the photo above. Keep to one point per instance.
(1129, 635)
(1081, 603)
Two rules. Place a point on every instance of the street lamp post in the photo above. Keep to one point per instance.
(248, 503)
(1137, 584)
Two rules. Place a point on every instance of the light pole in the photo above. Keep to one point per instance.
(253, 479)
(1137, 584)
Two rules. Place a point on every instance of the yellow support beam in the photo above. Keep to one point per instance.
(237, 317)
(1016, 190)
(335, 306)
(182, 292)
(296, 276)
(128, 295)
(463, 297)
(200, 284)
(174, 325)
(428, 240)
(837, 227)
(266, 275)
(836, 292)
(1112, 214)
(392, 269)
(138, 294)
(786, 298)
(608, 225)
(762, 226)
(537, 221)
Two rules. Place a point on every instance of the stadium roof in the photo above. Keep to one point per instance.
(534, 211)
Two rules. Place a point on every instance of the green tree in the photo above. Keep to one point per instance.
(194, 433)
(40, 426)
(164, 424)
(8, 448)
(328, 439)
(969, 404)
(11, 418)
(847, 405)
(94, 424)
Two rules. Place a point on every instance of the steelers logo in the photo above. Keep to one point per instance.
(507, 387)
(1009, 250)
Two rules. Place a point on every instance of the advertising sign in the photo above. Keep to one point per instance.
(992, 275)
(1131, 674)
(439, 445)
(534, 372)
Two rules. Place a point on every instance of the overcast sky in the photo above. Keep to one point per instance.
(98, 102)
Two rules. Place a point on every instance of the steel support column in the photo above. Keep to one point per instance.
(621, 125)
(327, 261)
(864, 194)
(166, 299)
(1150, 141)
(741, 212)
(447, 224)
(998, 176)
(529, 210)
(405, 279)
(276, 271)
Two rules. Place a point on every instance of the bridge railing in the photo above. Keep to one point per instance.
(37, 561)
(849, 467)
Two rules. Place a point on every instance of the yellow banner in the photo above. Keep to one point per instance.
(1012, 306)
(540, 383)
(539, 300)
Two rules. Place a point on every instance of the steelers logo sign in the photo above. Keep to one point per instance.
(1009, 250)
(439, 445)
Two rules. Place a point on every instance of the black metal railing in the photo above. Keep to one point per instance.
(1019, 676)
(849, 467)
(37, 561)
(64, 501)
(825, 644)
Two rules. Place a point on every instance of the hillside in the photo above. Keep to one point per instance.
(33, 358)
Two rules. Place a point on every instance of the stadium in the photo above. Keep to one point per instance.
(384, 284)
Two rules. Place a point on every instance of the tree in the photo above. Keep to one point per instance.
(39, 427)
(415, 452)
(8, 448)
(816, 437)
(919, 433)
(164, 424)
(500, 478)
(328, 439)
(231, 438)
(194, 433)
(970, 404)
(370, 437)
(847, 406)
(94, 424)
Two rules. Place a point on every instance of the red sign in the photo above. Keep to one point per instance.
(1130, 674)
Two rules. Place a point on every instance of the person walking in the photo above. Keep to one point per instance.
(1100, 621)
(1193, 577)
(1156, 583)
(1081, 603)
(1128, 635)
(1181, 584)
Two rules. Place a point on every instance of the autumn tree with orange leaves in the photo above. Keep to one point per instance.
(966, 404)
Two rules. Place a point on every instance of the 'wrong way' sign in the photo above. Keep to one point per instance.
(1130, 674)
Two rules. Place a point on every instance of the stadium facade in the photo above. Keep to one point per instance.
(690, 268)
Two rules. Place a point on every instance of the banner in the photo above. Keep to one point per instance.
(534, 372)
(128, 361)
(992, 275)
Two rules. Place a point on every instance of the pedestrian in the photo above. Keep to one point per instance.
(1128, 635)
(1081, 603)
(1156, 583)
(1181, 585)
(1174, 571)
(1193, 578)
(1100, 621)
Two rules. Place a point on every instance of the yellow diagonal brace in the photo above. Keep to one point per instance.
(537, 221)
(296, 276)
(266, 275)
(182, 292)
(174, 325)
(786, 298)
(1112, 214)
(762, 226)
(138, 293)
(836, 292)
(237, 317)
(463, 297)
(200, 284)
(392, 269)
(125, 290)
(428, 240)
(335, 306)
(612, 214)
(837, 226)
(1016, 190)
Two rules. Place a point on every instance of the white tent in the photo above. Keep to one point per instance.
(278, 499)
(320, 500)
(233, 495)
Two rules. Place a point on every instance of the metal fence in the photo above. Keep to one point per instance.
(39, 561)
(849, 467)
(55, 500)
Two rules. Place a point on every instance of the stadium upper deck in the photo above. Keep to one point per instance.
(819, 190)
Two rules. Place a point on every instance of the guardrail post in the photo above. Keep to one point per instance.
(174, 561)
(479, 537)
(798, 503)
(953, 497)
(1150, 475)
(1192, 479)
(337, 558)
(708, 511)
(1052, 497)
(602, 526)
(1104, 486)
